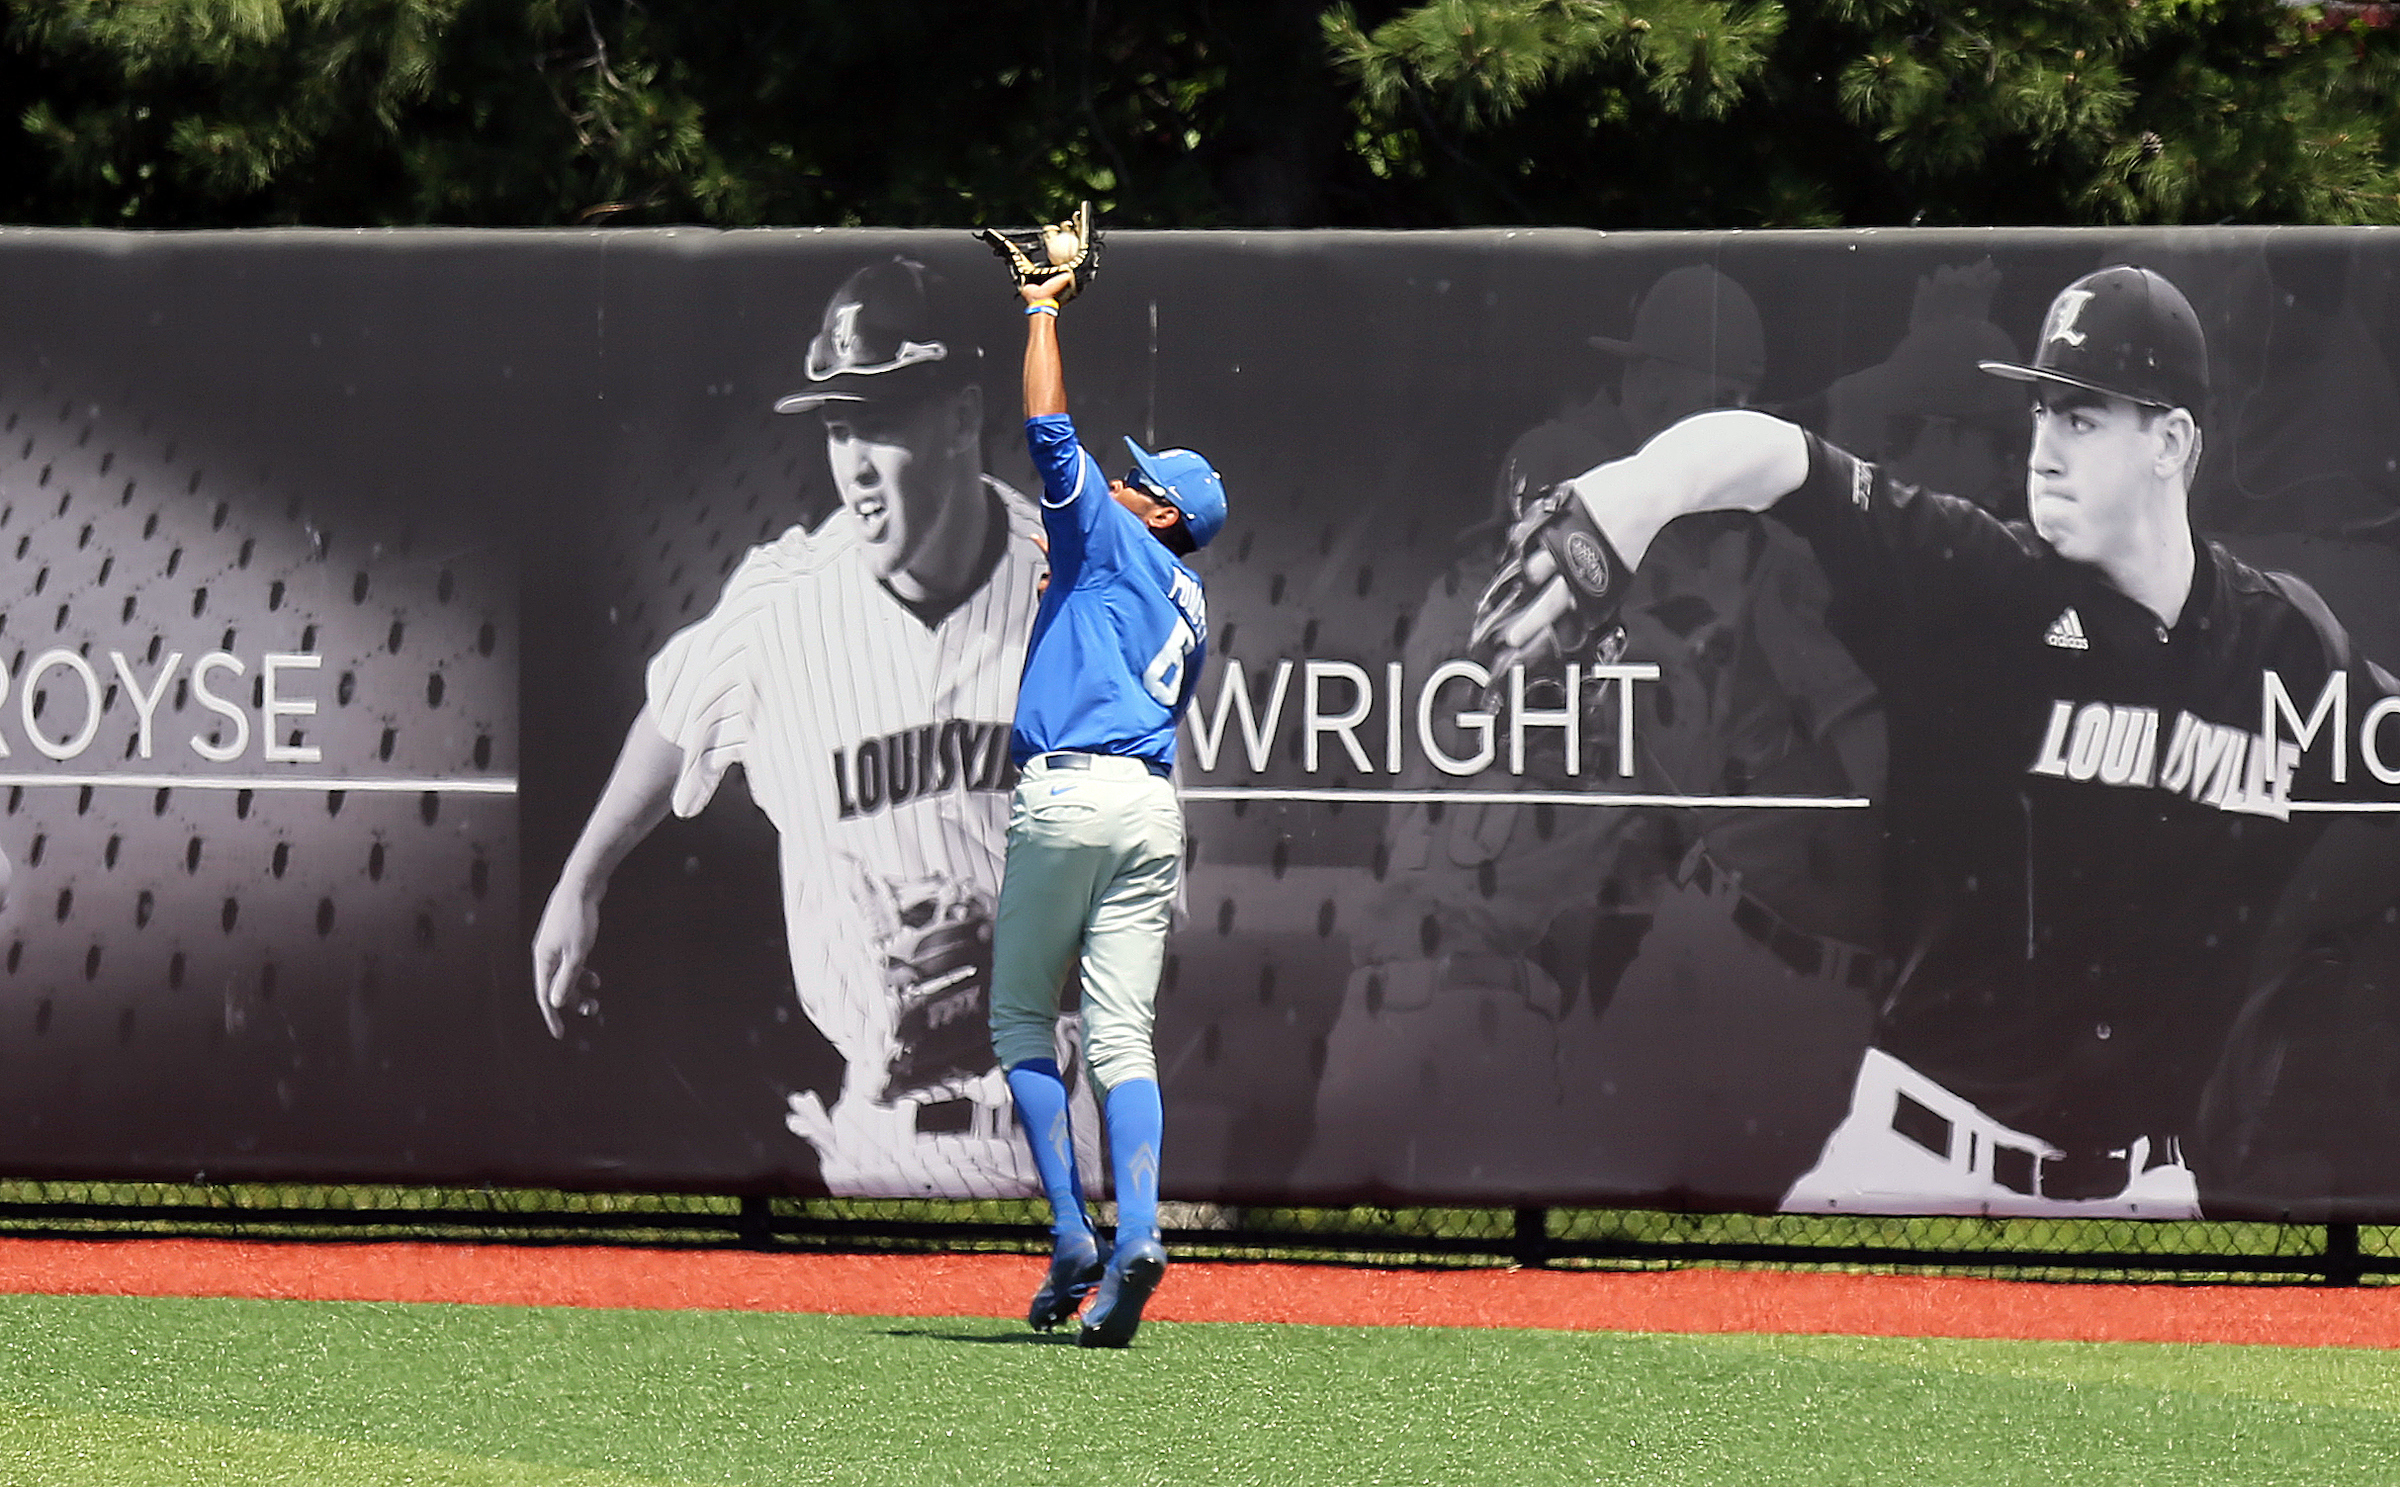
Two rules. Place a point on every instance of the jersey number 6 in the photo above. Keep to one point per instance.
(1163, 677)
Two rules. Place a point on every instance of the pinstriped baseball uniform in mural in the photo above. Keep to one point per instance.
(863, 676)
(877, 742)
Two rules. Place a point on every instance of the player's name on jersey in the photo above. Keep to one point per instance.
(2217, 764)
(219, 706)
(876, 774)
(1576, 718)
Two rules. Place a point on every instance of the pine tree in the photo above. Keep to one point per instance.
(363, 112)
(1616, 113)
(1745, 112)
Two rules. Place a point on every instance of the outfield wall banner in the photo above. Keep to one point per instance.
(455, 729)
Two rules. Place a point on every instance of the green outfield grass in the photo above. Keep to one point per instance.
(201, 1393)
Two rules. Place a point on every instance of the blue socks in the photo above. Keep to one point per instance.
(1041, 1100)
(1136, 1122)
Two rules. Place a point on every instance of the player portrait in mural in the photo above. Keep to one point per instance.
(1465, 1058)
(861, 674)
(2116, 774)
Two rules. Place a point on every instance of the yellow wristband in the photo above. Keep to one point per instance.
(1041, 307)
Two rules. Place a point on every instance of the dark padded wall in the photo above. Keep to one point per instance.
(484, 477)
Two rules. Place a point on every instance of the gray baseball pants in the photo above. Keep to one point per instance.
(1095, 853)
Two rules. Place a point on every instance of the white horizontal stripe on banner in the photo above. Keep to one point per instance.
(267, 782)
(1530, 797)
(1756, 802)
(2347, 807)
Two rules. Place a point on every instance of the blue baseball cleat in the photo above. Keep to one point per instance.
(1133, 1273)
(1075, 1269)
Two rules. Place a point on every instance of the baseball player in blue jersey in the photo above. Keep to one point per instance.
(1095, 833)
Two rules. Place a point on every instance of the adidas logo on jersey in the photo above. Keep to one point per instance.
(2066, 632)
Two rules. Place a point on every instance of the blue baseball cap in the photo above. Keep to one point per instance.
(1191, 483)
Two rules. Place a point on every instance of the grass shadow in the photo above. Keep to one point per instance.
(1062, 1338)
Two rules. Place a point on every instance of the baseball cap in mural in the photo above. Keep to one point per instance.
(2124, 331)
(1696, 317)
(1190, 482)
(880, 339)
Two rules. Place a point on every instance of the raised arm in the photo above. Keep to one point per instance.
(1732, 459)
(631, 805)
(1045, 378)
(1573, 551)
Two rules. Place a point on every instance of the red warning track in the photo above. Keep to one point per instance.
(998, 1285)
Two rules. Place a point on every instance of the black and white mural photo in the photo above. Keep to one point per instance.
(261, 650)
(861, 672)
(1880, 722)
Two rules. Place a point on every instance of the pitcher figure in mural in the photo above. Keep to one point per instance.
(1463, 1063)
(863, 675)
(2099, 726)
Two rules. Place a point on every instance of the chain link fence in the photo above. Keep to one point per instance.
(1621, 1239)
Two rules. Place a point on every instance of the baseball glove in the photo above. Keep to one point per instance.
(1556, 596)
(938, 964)
(1040, 254)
